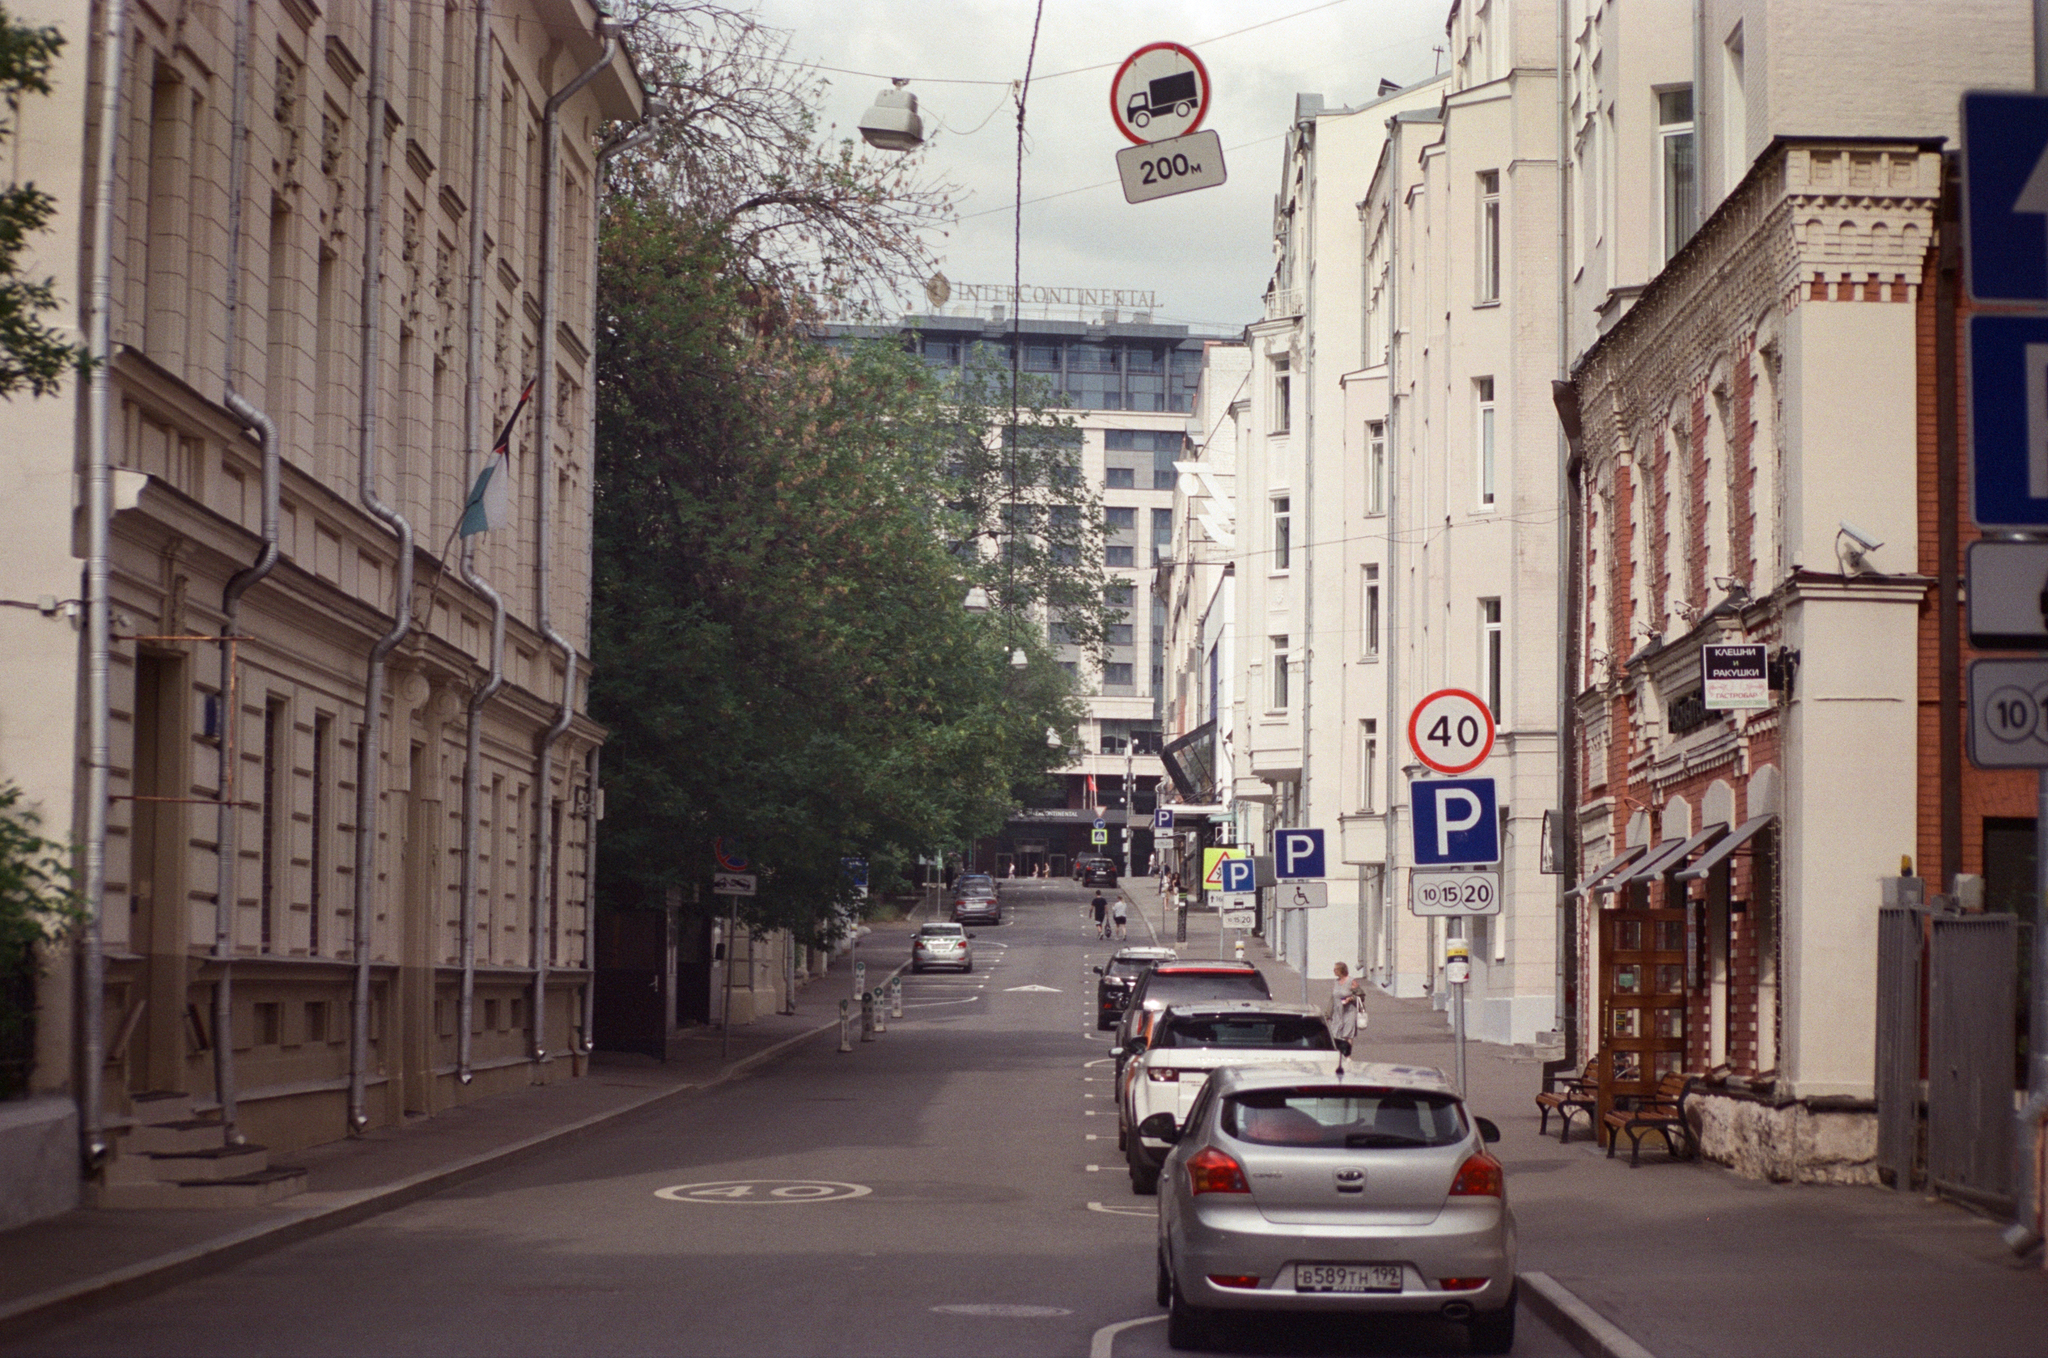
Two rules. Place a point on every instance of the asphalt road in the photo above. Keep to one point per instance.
(952, 1188)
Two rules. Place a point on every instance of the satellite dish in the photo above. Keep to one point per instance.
(938, 290)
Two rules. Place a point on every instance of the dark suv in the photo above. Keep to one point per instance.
(1098, 872)
(1113, 991)
(1176, 982)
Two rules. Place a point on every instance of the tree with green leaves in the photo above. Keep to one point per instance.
(32, 354)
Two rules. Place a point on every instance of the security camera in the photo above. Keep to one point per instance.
(1851, 547)
(1862, 539)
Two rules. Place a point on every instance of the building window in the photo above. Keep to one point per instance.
(1116, 674)
(1368, 761)
(1162, 535)
(1282, 395)
(1483, 391)
(1119, 556)
(1117, 520)
(1071, 668)
(1283, 532)
(1489, 652)
(1121, 478)
(1279, 653)
(1376, 468)
(274, 884)
(1119, 593)
(1676, 163)
(1164, 475)
(1371, 619)
(316, 866)
(1120, 634)
(1489, 236)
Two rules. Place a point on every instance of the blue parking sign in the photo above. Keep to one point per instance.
(2008, 388)
(1456, 821)
(1239, 877)
(1297, 854)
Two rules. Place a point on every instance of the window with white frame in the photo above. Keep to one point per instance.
(1677, 168)
(1368, 762)
(1283, 391)
(1278, 651)
(1370, 619)
(1490, 653)
(1283, 532)
(1489, 236)
(1375, 467)
(1482, 391)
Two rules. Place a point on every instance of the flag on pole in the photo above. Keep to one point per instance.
(1091, 790)
(489, 502)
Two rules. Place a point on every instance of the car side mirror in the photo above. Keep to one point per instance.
(973, 935)
(1160, 1127)
(1098, 971)
(1134, 1047)
(1488, 1133)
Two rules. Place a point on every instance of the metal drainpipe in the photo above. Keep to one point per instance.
(228, 840)
(92, 1122)
(544, 503)
(472, 434)
(367, 773)
(1391, 655)
(1568, 586)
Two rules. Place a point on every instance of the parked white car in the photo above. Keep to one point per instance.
(1193, 1038)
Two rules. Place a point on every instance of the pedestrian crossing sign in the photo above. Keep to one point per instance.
(1098, 836)
(1212, 866)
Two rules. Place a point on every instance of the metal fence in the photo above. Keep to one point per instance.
(1901, 939)
(1970, 999)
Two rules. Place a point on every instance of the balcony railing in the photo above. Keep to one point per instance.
(1282, 302)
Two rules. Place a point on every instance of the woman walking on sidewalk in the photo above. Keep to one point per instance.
(1116, 912)
(1347, 1008)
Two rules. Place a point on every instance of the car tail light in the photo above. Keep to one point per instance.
(1234, 1279)
(1461, 1284)
(1212, 1171)
(1162, 1074)
(1479, 1177)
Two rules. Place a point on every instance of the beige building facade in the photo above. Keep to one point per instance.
(340, 243)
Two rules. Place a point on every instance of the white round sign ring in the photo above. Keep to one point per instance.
(1451, 731)
(1169, 85)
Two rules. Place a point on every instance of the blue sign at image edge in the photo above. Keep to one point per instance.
(2005, 133)
(1997, 389)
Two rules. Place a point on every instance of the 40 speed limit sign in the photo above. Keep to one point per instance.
(1453, 893)
(1451, 731)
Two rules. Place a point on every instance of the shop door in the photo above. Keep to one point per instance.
(1642, 1005)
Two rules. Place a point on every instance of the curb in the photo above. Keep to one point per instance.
(1583, 1327)
(153, 1275)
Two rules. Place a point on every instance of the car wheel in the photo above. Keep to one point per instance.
(1165, 1287)
(1187, 1327)
(1494, 1331)
(968, 967)
(1144, 1176)
(915, 969)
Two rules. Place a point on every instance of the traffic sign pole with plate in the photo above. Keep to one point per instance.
(2008, 699)
(2007, 595)
(1161, 169)
(1158, 100)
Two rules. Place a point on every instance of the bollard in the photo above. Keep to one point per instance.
(896, 997)
(846, 1025)
(1180, 923)
(881, 1010)
(867, 1016)
(1239, 946)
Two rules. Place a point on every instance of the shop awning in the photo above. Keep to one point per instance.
(1657, 864)
(1712, 857)
(1615, 864)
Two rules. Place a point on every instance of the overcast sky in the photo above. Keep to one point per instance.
(1206, 254)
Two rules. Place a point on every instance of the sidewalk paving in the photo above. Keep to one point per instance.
(1687, 1258)
(56, 1267)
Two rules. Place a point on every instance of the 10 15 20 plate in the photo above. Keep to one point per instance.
(1347, 1277)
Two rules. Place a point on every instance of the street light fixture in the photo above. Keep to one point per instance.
(891, 122)
(1018, 660)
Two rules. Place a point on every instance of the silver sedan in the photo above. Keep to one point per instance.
(1319, 1188)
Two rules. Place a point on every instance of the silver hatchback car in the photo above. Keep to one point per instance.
(1315, 1188)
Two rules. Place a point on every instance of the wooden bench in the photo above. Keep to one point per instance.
(1662, 1112)
(1571, 1097)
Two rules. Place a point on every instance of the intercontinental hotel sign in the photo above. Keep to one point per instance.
(1003, 294)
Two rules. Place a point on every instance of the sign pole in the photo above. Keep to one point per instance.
(732, 915)
(1457, 968)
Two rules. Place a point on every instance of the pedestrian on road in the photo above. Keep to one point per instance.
(1347, 1008)
(1116, 912)
(1100, 905)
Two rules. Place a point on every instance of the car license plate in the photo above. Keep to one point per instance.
(1347, 1277)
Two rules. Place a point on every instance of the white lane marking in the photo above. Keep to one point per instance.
(1041, 989)
(939, 1004)
(1099, 1061)
(1088, 1112)
(760, 1193)
(1121, 1211)
(1095, 1169)
(996, 1308)
(1093, 1137)
(1103, 1343)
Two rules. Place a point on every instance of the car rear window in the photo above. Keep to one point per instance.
(1120, 967)
(1340, 1118)
(942, 930)
(1235, 985)
(1293, 1031)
